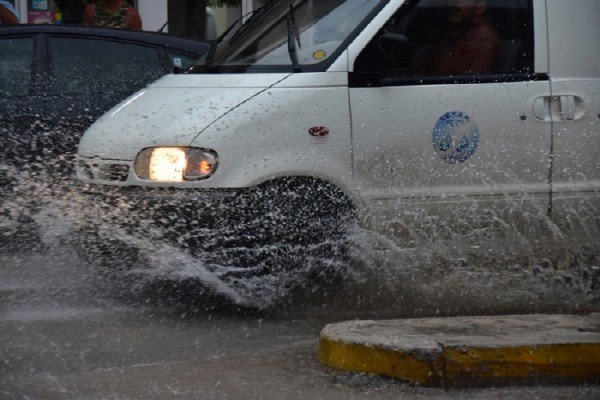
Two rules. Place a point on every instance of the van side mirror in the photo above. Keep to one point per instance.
(395, 49)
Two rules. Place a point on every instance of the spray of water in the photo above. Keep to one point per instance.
(515, 258)
(491, 261)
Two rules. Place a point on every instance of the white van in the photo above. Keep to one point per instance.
(442, 113)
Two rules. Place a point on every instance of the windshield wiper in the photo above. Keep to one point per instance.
(250, 16)
(293, 36)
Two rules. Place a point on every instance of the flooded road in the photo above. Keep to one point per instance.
(173, 328)
(66, 335)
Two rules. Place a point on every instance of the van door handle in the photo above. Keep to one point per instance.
(541, 108)
(567, 107)
(562, 107)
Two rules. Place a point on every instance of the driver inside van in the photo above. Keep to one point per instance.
(469, 46)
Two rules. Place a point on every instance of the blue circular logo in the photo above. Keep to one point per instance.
(455, 137)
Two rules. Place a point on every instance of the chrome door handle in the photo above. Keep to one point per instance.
(558, 108)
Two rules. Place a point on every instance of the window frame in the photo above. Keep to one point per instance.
(359, 78)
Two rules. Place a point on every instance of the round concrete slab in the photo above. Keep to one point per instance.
(469, 351)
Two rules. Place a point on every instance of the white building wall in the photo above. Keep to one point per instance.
(21, 6)
(153, 14)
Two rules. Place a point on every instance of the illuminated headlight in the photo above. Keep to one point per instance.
(175, 164)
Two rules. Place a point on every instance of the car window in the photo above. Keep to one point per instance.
(81, 65)
(181, 60)
(454, 38)
(16, 61)
(319, 30)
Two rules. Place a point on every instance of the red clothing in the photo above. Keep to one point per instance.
(112, 14)
(468, 51)
(8, 16)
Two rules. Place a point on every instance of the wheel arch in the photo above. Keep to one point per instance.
(348, 195)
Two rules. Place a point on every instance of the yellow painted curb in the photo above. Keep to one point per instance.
(468, 366)
(573, 362)
(376, 360)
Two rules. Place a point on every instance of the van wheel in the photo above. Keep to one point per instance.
(287, 226)
(300, 211)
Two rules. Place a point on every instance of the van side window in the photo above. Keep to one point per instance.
(454, 40)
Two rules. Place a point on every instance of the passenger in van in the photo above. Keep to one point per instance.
(469, 46)
(8, 14)
(112, 14)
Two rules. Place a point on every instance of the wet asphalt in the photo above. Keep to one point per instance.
(66, 335)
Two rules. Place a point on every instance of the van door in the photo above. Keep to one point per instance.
(442, 101)
(575, 111)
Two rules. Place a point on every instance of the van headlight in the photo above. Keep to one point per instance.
(175, 164)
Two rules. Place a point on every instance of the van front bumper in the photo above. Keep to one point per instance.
(164, 213)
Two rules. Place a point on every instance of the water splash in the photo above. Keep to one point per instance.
(515, 259)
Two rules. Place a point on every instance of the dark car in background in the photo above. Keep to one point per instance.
(54, 82)
(51, 74)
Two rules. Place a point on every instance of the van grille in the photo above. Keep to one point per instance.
(105, 172)
(113, 172)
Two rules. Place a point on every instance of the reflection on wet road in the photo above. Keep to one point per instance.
(66, 335)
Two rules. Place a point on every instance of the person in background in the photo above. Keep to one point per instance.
(8, 14)
(470, 46)
(72, 10)
(112, 14)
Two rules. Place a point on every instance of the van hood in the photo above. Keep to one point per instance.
(170, 112)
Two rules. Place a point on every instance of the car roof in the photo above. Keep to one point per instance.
(151, 38)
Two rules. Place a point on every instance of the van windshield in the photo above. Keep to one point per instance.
(289, 34)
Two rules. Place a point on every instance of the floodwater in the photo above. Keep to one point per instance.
(500, 269)
(66, 335)
(166, 323)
